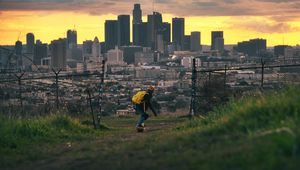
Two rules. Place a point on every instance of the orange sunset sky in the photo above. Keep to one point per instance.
(278, 21)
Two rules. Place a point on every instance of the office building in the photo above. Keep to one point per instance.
(178, 32)
(40, 52)
(144, 57)
(187, 43)
(58, 53)
(214, 36)
(195, 41)
(18, 50)
(72, 38)
(115, 57)
(111, 34)
(143, 38)
(123, 30)
(219, 44)
(166, 31)
(279, 50)
(136, 24)
(253, 47)
(96, 49)
(153, 29)
(128, 53)
(87, 47)
(30, 43)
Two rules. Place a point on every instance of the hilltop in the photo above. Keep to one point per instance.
(258, 131)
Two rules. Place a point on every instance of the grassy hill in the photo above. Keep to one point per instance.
(259, 131)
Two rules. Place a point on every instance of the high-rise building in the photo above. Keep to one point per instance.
(72, 38)
(18, 47)
(142, 34)
(18, 50)
(115, 57)
(195, 41)
(96, 49)
(136, 22)
(253, 47)
(160, 43)
(279, 50)
(40, 52)
(58, 53)
(123, 30)
(30, 43)
(111, 34)
(178, 32)
(128, 53)
(166, 31)
(187, 43)
(214, 36)
(87, 47)
(219, 44)
(153, 29)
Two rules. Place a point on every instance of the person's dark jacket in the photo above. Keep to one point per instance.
(146, 103)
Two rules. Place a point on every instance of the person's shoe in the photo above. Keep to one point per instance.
(140, 128)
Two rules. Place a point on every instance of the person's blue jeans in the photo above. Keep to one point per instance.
(144, 116)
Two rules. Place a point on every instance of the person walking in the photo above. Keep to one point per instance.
(142, 101)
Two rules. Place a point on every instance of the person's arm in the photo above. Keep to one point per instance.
(152, 109)
(148, 102)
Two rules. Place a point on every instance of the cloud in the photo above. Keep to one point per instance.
(264, 26)
(286, 8)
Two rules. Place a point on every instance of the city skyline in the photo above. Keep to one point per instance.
(278, 26)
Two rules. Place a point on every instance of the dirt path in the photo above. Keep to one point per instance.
(78, 154)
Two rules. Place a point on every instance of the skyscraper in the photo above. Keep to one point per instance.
(195, 41)
(30, 43)
(72, 38)
(214, 36)
(187, 43)
(87, 47)
(123, 30)
(253, 47)
(40, 51)
(178, 32)
(111, 34)
(96, 49)
(153, 29)
(136, 21)
(18, 49)
(58, 53)
(166, 31)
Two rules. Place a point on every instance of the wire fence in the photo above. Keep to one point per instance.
(213, 87)
(25, 94)
(31, 94)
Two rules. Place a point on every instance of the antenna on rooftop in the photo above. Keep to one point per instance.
(153, 6)
(19, 35)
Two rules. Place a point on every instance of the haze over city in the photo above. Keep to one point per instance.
(278, 21)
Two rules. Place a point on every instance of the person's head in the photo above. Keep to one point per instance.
(150, 89)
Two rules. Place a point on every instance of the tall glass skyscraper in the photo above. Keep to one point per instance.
(123, 30)
(30, 43)
(178, 32)
(136, 24)
(111, 34)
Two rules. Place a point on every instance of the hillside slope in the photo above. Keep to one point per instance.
(256, 132)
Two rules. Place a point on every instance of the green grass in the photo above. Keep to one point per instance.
(20, 137)
(259, 131)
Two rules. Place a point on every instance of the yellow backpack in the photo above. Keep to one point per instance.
(138, 97)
